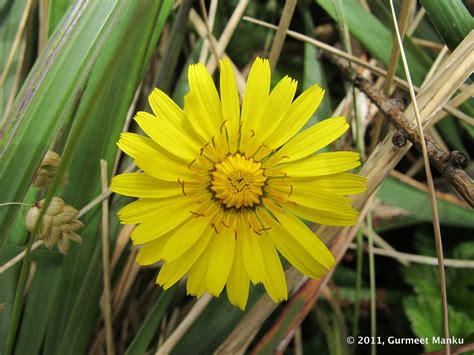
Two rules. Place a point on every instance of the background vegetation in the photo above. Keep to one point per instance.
(72, 75)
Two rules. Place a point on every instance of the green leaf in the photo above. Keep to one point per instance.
(451, 19)
(38, 308)
(46, 97)
(415, 201)
(98, 122)
(145, 334)
(424, 314)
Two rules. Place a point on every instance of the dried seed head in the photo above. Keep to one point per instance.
(58, 225)
(47, 170)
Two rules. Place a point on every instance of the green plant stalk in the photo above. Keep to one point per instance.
(358, 285)
(20, 289)
(451, 19)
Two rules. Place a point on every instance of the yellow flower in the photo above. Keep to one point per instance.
(223, 190)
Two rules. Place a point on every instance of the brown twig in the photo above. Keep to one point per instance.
(450, 165)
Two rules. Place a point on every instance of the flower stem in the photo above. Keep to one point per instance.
(18, 302)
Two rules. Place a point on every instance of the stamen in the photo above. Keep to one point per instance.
(291, 190)
(189, 165)
(196, 214)
(252, 133)
(182, 186)
(222, 126)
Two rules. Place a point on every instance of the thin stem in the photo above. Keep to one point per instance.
(209, 30)
(419, 259)
(20, 256)
(373, 303)
(434, 208)
(106, 303)
(358, 285)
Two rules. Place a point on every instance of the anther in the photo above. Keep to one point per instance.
(252, 133)
(213, 141)
(215, 229)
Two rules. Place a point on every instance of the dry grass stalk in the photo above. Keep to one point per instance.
(392, 67)
(448, 164)
(106, 298)
(185, 324)
(209, 30)
(280, 35)
(226, 35)
(382, 243)
(429, 177)
(383, 160)
(20, 256)
(332, 50)
(419, 259)
(212, 17)
(16, 41)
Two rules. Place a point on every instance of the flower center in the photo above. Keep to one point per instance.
(238, 181)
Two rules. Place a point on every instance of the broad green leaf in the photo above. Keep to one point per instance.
(56, 10)
(451, 19)
(105, 101)
(416, 202)
(38, 308)
(46, 97)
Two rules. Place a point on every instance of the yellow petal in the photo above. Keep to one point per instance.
(321, 164)
(221, 261)
(274, 282)
(252, 255)
(314, 198)
(171, 138)
(341, 184)
(340, 218)
(172, 271)
(202, 85)
(150, 252)
(230, 102)
(238, 283)
(291, 249)
(156, 218)
(299, 233)
(164, 169)
(134, 144)
(312, 139)
(255, 96)
(275, 110)
(197, 277)
(165, 109)
(299, 113)
(144, 185)
(185, 237)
